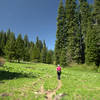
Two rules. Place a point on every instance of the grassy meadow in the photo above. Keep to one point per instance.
(23, 81)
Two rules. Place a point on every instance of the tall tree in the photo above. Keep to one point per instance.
(71, 29)
(44, 53)
(19, 48)
(60, 32)
(2, 42)
(8, 34)
(49, 57)
(63, 58)
(39, 44)
(78, 38)
(97, 29)
(84, 15)
(26, 55)
(31, 50)
(36, 54)
(91, 45)
(26, 41)
(10, 47)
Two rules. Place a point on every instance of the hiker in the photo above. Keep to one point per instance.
(58, 71)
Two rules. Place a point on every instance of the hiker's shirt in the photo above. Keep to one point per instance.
(58, 69)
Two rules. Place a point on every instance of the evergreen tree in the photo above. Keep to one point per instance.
(31, 50)
(91, 45)
(78, 38)
(71, 29)
(8, 34)
(43, 53)
(26, 55)
(49, 57)
(97, 29)
(26, 41)
(26, 49)
(39, 44)
(63, 58)
(19, 48)
(2, 42)
(97, 12)
(36, 54)
(84, 15)
(60, 32)
(10, 47)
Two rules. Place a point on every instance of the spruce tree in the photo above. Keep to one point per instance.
(31, 50)
(19, 48)
(2, 42)
(70, 24)
(26, 41)
(49, 57)
(10, 47)
(39, 44)
(8, 34)
(91, 45)
(43, 53)
(97, 28)
(63, 59)
(93, 37)
(60, 32)
(36, 54)
(84, 15)
(78, 38)
(26, 56)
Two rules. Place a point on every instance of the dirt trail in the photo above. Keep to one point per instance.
(49, 94)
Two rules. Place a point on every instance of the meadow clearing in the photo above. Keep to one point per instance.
(37, 81)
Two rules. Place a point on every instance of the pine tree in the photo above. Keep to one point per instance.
(19, 48)
(93, 38)
(8, 34)
(43, 53)
(78, 38)
(70, 24)
(39, 44)
(31, 45)
(97, 12)
(63, 58)
(49, 57)
(2, 42)
(97, 29)
(10, 47)
(84, 15)
(91, 45)
(36, 54)
(26, 56)
(60, 32)
(26, 41)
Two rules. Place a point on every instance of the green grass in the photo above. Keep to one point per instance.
(23, 82)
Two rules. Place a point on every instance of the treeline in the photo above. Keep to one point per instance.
(78, 33)
(21, 49)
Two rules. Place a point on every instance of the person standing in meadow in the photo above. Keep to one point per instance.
(58, 71)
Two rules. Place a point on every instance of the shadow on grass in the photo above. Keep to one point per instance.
(6, 75)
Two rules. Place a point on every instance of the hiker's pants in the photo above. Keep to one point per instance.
(58, 73)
